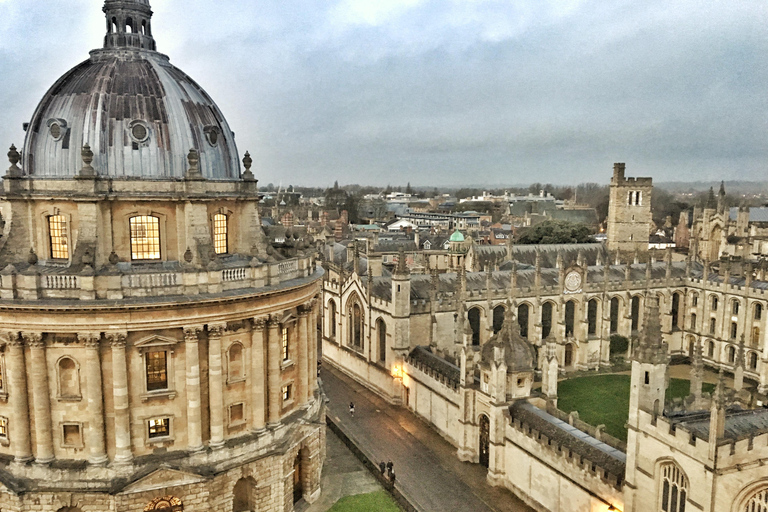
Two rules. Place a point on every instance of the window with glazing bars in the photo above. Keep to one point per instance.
(4, 428)
(285, 344)
(220, 233)
(145, 237)
(57, 233)
(159, 427)
(157, 371)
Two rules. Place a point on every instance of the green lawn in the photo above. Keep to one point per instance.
(379, 501)
(604, 399)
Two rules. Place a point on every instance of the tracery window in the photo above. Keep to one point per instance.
(57, 236)
(674, 489)
(145, 237)
(220, 233)
(758, 502)
(157, 370)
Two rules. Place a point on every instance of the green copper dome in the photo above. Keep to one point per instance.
(457, 236)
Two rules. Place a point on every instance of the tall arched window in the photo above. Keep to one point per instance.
(673, 489)
(675, 310)
(57, 236)
(332, 319)
(592, 317)
(546, 319)
(614, 314)
(755, 335)
(714, 303)
(758, 502)
(220, 234)
(473, 316)
(498, 318)
(758, 311)
(69, 379)
(570, 313)
(522, 319)
(711, 349)
(129, 28)
(235, 363)
(752, 361)
(356, 325)
(731, 354)
(635, 313)
(381, 330)
(145, 237)
(735, 307)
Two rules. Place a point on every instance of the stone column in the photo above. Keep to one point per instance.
(194, 414)
(259, 385)
(123, 452)
(215, 385)
(273, 370)
(303, 393)
(94, 395)
(313, 348)
(41, 399)
(18, 398)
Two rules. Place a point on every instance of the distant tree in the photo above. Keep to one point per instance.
(408, 189)
(557, 232)
(335, 198)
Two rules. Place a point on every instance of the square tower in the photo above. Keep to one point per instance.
(629, 212)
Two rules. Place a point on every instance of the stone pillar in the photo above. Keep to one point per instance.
(194, 413)
(313, 345)
(303, 393)
(18, 398)
(259, 385)
(41, 399)
(215, 385)
(273, 370)
(94, 394)
(123, 451)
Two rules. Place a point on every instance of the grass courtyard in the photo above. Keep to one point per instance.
(380, 501)
(604, 399)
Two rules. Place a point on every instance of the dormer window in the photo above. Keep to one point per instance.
(145, 237)
(57, 236)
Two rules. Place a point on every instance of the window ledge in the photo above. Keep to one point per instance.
(288, 403)
(238, 423)
(162, 393)
(286, 364)
(160, 440)
(236, 380)
(3, 396)
(62, 398)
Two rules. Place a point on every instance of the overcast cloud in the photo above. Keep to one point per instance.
(444, 92)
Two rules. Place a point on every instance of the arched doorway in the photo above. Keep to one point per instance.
(243, 495)
(568, 355)
(485, 441)
(165, 504)
(298, 488)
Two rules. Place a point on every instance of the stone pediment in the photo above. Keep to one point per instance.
(155, 341)
(163, 478)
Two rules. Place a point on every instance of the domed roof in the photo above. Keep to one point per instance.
(457, 236)
(139, 114)
(519, 355)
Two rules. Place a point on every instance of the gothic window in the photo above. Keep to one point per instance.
(614, 315)
(752, 361)
(735, 307)
(734, 330)
(356, 325)
(145, 237)
(157, 370)
(711, 349)
(758, 311)
(695, 300)
(674, 489)
(714, 303)
(546, 319)
(522, 319)
(693, 321)
(712, 325)
(498, 318)
(284, 343)
(473, 315)
(592, 317)
(731, 354)
(332, 319)
(758, 502)
(570, 312)
(235, 366)
(57, 237)
(635, 313)
(755, 335)
(158, 427)
(165, 504)
(381, 330)
(220, 233)
(675, 310)
(69, 379)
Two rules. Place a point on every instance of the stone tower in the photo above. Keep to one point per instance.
(629, 212)
(649, 365)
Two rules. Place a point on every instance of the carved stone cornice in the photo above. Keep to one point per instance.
(116, 339)
(33, 339)
(90, 339)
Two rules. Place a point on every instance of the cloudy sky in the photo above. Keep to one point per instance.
(444, 92)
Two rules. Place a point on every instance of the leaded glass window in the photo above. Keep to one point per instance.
(145, 237)
(57, 235)
(157, 370)
(220, 233)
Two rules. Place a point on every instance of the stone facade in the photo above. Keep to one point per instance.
(156, 353)
(629, 212)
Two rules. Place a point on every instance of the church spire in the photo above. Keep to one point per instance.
(129, 24)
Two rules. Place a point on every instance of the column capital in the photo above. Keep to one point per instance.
(14, 339)
(90, 339)
(116, 339)
(259, 323)
(192, 333)
(273, 321)
(33, 339)
(304, 310)
(216, 329)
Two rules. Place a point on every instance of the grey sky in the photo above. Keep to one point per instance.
(446, 92)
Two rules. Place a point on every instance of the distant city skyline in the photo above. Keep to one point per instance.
(444, 93)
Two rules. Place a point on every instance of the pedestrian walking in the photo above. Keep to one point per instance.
(392, 477)
(382, 467)
(390, 467)
(351, 408)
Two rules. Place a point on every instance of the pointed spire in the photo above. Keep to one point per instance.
(129, 24)
(738, 366)
(651, 348)
(717, 415)
(401, 269)
(697, 373)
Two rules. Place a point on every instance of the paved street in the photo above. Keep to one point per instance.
(428, 472)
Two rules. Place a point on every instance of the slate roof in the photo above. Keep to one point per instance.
(527, 253)
(739, 424)
(425, 357)
(755, 214)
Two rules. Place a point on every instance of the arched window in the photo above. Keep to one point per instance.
(711, 349)
(129, 29)
(568, 355)
(673, 489)
(244, 499)
(498, 318)
(165, 504)
(114, 25)
(755, 335)
(695, 300)
(714, 303)
(473, 316)
(570, 312)
(758, 502)
(712, 325)
(546, 319)
(143, 27)
(332, 319)
(731, 354)
(735, 307)
(235, 359)
(381, 330)
(635, 313)
(592, 317)
(69, 378)
(145, 237)
(693, 321)
(675, 310)
(356, 325)
(734, 330)
(614, 314)
(758, 311)
(57, 236)
(752, 361)
(522, 319)
(220, 234)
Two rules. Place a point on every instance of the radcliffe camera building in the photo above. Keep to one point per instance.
(157, 353)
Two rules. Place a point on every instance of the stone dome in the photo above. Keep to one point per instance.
(519, 355)
(139, 114)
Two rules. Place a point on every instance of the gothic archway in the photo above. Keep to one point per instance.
(485, 441)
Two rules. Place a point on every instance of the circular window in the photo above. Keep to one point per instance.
(213, 138)
(55, 130)
(212, 135)
(139, 132)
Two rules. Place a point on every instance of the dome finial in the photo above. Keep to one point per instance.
(129, 24)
